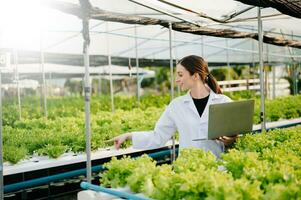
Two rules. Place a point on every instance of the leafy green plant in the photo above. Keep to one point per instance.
(13, 154)
(65, 125)
(53, 151)
(250, 172)
(120, 170)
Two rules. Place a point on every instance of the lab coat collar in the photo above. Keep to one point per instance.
(189, 101)
(188, 98)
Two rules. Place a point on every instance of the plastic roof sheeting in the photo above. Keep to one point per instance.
(62, 33)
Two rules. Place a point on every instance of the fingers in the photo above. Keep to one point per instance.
(118, 141)
(117, 144)
(227, 140)
(229, 137)
(222, 139)
(114, 141)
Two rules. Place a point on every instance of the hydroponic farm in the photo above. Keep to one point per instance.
(141, 99)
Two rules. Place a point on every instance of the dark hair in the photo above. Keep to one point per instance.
(196, 64)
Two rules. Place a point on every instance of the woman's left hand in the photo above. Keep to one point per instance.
(228, 140)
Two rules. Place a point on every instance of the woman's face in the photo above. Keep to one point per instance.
(184, 79)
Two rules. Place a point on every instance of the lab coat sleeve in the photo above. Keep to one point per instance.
(164, 130)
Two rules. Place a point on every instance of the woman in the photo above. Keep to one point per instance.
(188, 114)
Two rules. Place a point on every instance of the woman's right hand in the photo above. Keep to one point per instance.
(118, 140)
(228, 140)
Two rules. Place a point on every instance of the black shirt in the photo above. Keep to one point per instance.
(200, 104)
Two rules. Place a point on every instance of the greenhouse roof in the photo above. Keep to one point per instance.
(61, 31)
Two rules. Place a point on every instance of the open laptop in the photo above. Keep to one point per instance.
(229, 119)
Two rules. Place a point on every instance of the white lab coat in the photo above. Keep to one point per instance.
(182, 115)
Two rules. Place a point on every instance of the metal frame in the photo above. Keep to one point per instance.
(262, 73)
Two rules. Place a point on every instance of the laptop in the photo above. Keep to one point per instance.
(229, 119)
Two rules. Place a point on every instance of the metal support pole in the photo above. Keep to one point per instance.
(50, 84)
(1, 144)
(202, 39)
(262, 99)
(130, 67)
(137, 66)
(43, 75)
(294, 79)
(253, 59)
(99, 85)
(18, 84)
(171, 63)
(178, 87)
(111, 85)
(267, 79)
(228, 64)
(274, 81)
(110, 68)
(298, 72)
(176, 60)
(248, 78)
(173, 158)
(295, 71)
(87, 97)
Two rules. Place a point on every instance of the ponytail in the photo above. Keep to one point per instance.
(212, 83)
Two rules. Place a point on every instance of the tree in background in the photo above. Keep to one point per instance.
(75, 87)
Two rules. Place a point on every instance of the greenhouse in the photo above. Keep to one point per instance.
(141, 99)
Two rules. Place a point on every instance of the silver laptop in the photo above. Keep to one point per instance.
(229, 119)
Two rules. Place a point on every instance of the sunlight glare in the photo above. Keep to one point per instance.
(21, 23)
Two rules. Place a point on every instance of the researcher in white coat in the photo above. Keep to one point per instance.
(188, 114)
